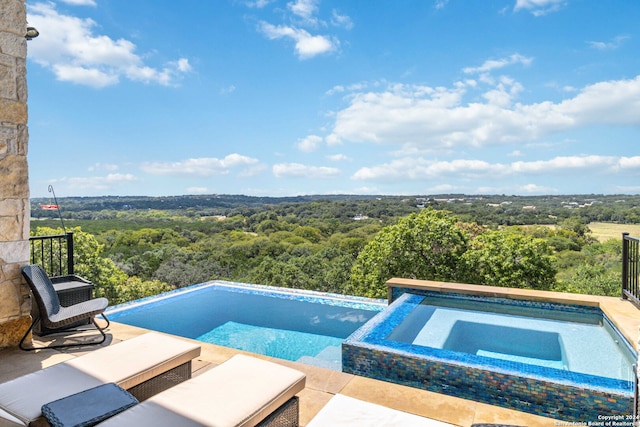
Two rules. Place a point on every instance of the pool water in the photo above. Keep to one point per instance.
(301, 346)
(303, 326)
(584, 343)
(562, 361)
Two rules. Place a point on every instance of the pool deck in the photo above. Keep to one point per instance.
(322, 384)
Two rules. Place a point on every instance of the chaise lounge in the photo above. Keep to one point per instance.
(144, 365)
(244, 391)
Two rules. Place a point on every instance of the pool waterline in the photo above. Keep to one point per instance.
(325, 297)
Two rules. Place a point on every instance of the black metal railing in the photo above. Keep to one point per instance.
(53, 253)
(630, 261)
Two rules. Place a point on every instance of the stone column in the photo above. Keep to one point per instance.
(15, 303)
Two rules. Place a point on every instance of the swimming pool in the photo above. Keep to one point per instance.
(303, 326)
(561, 361)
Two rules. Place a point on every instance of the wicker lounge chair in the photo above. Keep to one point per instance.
(144, 366)
(52, 315)
(244, 391)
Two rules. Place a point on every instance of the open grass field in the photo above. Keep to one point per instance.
(604, 231)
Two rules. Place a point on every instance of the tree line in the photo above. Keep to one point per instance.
(486, 210)
(331, 246)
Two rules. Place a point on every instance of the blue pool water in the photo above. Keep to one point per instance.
(578, 342)
(294, 325)
(269, 341)
(556, 360)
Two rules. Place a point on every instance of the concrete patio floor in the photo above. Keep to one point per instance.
(321, 385)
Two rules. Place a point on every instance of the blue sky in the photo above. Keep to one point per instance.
(283, 98)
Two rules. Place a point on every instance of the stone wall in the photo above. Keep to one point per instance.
(15, 304)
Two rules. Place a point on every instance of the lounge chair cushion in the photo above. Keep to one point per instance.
(127, 364)
(239, 392)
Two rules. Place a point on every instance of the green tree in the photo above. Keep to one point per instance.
(508, 258)
(578, 229)
(426, 245)
(592, 279)
(595, 270)
(326, 270)
(279, 273)
(134, 288)
(311, 234)
(109, 281)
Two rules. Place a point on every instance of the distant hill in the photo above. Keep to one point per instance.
(228, 201)
(486, 209)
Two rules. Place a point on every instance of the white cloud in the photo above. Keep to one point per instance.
(75, 54)
(83, 76)
(411, 168)
(303, 8)
(95, 183)
(303, 16)
(503, 93)
(227, 90)
(614, 102)
(103, 166)
(80, 2)
(613, 44)
(438, 118)
(289, 170)
(306, 45)
(351, 88)
(629, 163)
(564, 164)
(309, 143)
(338, 158)
(204, 166)
(493, 64)
(539, 7)
(537, 189)
(440, 4)
(259, 4)
(342, 21)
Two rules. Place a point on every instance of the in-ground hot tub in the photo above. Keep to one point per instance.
(558, 360)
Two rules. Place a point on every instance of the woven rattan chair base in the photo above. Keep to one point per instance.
(285, 416)
(161, 382)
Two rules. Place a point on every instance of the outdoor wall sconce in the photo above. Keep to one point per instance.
(32, 33)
